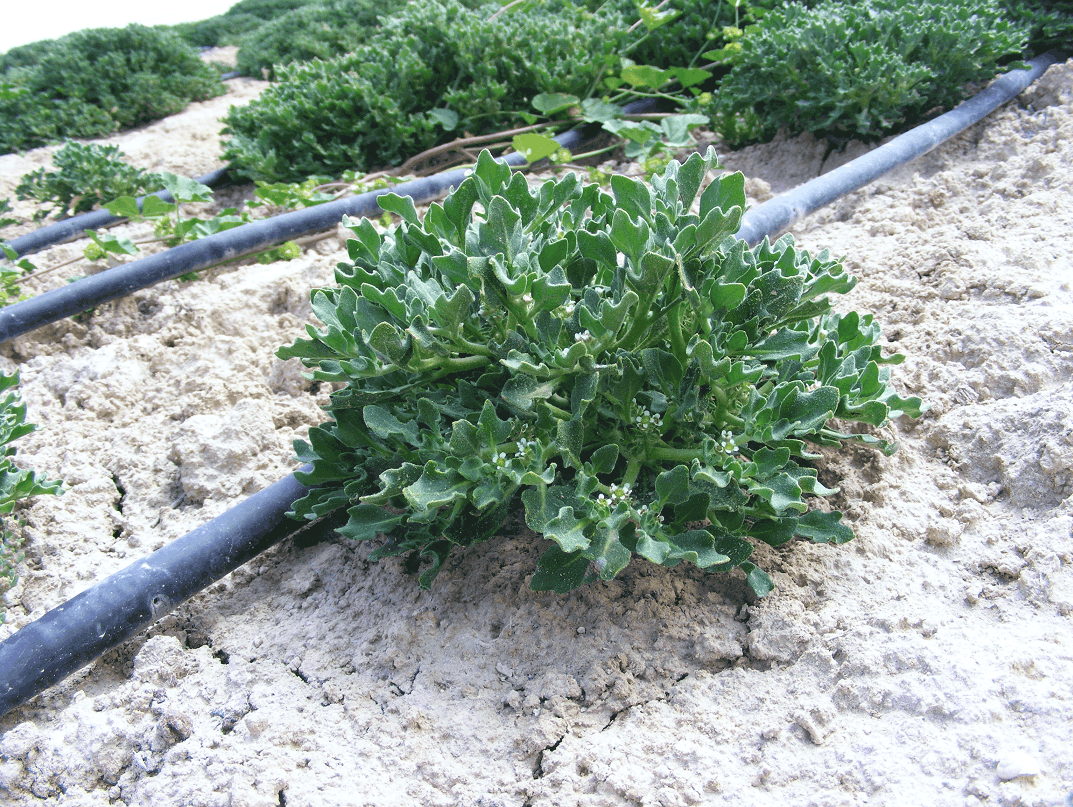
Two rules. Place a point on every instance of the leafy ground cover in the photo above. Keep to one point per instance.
(242, 18)
(93, 82)
(438, 69)
(320, 30)
(859, 70)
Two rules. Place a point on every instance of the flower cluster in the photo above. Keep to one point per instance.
(726, 442)
(614, 495)
(644, 510)
(646, 420)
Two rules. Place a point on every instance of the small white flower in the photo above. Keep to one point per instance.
(527, 298)
(726, 442)
(584, 336)
(646, 420)
(524, 446)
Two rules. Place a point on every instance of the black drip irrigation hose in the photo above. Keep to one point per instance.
(780, 213)
(73, 227)
(77, 632)
(120, 281)
(74, 634)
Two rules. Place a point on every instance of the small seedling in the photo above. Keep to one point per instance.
(16, 484)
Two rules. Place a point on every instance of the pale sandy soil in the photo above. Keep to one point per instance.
(909, 667)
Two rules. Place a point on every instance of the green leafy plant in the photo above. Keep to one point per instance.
(1050, 23)
(103, 244)
(640, 380)
(321, 30)
(174, 229)
(5, 207)
(10, 292)
(436, 70)
(11, 273)
(375, 106)
(25, 55)
(16, 484)
(677, 33)
(93, 82)
(87, 175)
(242, 18)
(170, 224)
(858, 69)
(291, 196)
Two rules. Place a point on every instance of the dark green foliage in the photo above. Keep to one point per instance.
(242, 18)
(859, 69)
(370, 108)
(86, 176)
(16, 484)
(1050, 24)
(92, 82)
(5, 208)
(680, 42)
(629, 371)
(25, 55)
(316, 31)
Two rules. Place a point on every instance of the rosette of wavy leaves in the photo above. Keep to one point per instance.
(638, 378)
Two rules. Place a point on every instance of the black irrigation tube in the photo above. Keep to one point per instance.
(74, 634)
(76, 225)
(779, 213)
(120, 281)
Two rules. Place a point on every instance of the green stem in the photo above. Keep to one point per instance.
(596, 81)
(588, 154)
(720, 395)
(448, 366)
(641, 323)
(633, 468)
(678, 345)
(560, 414)
(461, 341)
(732, 420)
(668, 454)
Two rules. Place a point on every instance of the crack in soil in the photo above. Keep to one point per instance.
(538, 765)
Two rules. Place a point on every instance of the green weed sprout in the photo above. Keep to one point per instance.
(16, 484)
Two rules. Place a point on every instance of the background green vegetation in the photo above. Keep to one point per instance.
(364, 84)
(242, 18)
(859, 69)
(314, 31)
(93, 82)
